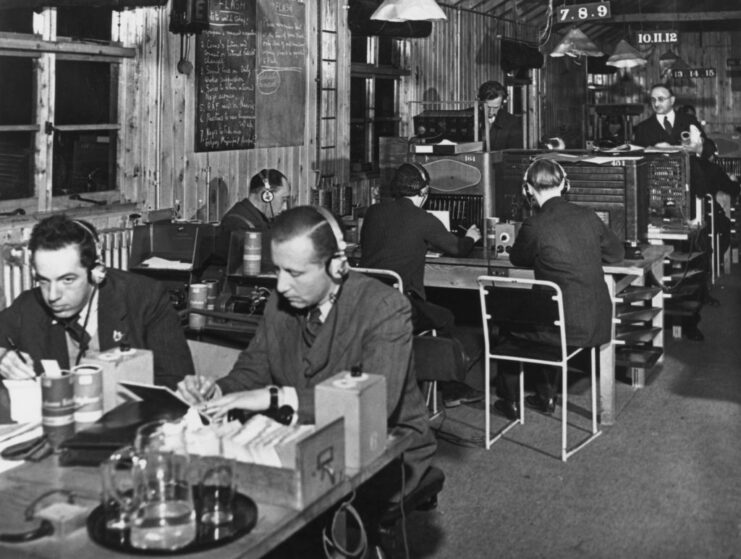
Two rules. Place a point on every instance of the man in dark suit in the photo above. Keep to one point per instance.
(565, 244)
(324, 319)
(504, 129)
(666, 126)
(79, 305)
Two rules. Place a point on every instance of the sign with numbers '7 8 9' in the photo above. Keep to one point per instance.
(583, 12)
(694, 73)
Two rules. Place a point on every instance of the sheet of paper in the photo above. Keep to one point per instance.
(157, 263)
(25, 400)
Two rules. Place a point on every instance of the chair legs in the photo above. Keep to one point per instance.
(565, 451)
(431, 398)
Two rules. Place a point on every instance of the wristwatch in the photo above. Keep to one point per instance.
(273, 398)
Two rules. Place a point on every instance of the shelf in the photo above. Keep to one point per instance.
(631, 313)
(634, 293)
(636, 334)
(637, 356)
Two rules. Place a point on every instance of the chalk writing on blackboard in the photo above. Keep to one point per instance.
(251, 75)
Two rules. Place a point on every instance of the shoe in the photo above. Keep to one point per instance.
(543, 405)
(694, 334)
(457, 393)
(507, 408)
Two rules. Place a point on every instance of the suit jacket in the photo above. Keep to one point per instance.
(649, 132)
(566, 244)
(131, 308)
(504, 133)
(396, 235)
(369, 325)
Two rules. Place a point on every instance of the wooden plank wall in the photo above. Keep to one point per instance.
(157, 162)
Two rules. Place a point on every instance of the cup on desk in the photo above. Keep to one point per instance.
(252, 253)
(215, 489)
(58, 407)
(198, 296)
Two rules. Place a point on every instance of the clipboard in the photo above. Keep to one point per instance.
(162, 396)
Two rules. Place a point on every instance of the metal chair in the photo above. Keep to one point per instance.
(528, 305)
(434, 357)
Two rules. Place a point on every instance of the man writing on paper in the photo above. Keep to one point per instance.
(79, 305)
(323, 319)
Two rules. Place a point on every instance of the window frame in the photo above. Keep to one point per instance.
(46, 47)
(371, 71)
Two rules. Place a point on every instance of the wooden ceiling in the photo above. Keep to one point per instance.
(628, 16)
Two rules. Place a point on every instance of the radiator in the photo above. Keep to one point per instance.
(16, 261)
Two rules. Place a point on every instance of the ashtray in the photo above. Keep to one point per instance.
(207, 536)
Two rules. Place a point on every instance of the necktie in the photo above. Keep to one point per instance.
(312, 325)
(667, 125)
(78, 334)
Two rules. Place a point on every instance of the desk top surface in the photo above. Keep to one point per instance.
(651, 253)
(21, 485)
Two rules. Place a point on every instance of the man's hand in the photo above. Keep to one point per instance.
(13, 367)
(196, 389)
(474, 233)
(250, 400)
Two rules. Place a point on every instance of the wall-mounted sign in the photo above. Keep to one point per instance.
(733, 62)
(694, 73)
(656, 37)
(583, 12)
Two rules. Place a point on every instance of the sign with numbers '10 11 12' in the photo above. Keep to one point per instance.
(583, 12)
(694, 73)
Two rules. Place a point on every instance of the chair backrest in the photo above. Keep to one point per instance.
(389, 277)
(519, 305)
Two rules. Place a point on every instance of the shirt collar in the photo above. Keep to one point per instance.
(325, 307)
(671, 115)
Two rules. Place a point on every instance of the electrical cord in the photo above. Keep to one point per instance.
(330, 541)
(457, 440)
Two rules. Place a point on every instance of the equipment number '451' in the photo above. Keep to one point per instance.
(584, 12)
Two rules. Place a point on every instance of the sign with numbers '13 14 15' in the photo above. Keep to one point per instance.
(583, 12)
(694, 73)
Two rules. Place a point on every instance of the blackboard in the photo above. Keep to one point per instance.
(251, 75)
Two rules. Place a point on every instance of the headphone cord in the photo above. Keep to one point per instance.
(83, 344)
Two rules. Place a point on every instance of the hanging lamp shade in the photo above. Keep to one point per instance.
(408, 10)
(668, 58)
(625, 56)
(576, 43)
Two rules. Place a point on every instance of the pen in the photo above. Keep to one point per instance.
(14, 348)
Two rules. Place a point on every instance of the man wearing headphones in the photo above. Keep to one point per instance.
(565, 244)
(322, 319)
(504, 129)
(79, 305)
(396, 235)
(268, 196)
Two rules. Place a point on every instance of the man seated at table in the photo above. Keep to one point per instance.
(396, 235)
(268, 195)
(79, 305)
(323, 319)
(565, 244)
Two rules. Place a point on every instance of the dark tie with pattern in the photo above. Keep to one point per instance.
(667, 125)
(312, 324)
(78, 334)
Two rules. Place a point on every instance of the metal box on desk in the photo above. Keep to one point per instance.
(320, 465)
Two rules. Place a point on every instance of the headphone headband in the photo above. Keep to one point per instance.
(336, 231)
(267, 195)
(98, 271)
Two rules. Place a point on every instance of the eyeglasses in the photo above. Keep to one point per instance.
(659, 99)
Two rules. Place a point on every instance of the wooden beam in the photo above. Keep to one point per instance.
(58, 47)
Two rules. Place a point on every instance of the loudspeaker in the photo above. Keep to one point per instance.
(504, 238)
(98, 271)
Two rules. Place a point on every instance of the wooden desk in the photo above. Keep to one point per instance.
(20, 486)
(461, 273)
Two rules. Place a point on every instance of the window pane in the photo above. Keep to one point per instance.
(16, 165)
(16, 20)
(385, 98)
(16, 90)
(359, 49)
(83, 93)
(84, 162)
(385, 51)
(84, 23)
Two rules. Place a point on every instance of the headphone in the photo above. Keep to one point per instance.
(267, 195)
(564, 185)
(342, 267)
(98, 271)
(424, 176)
